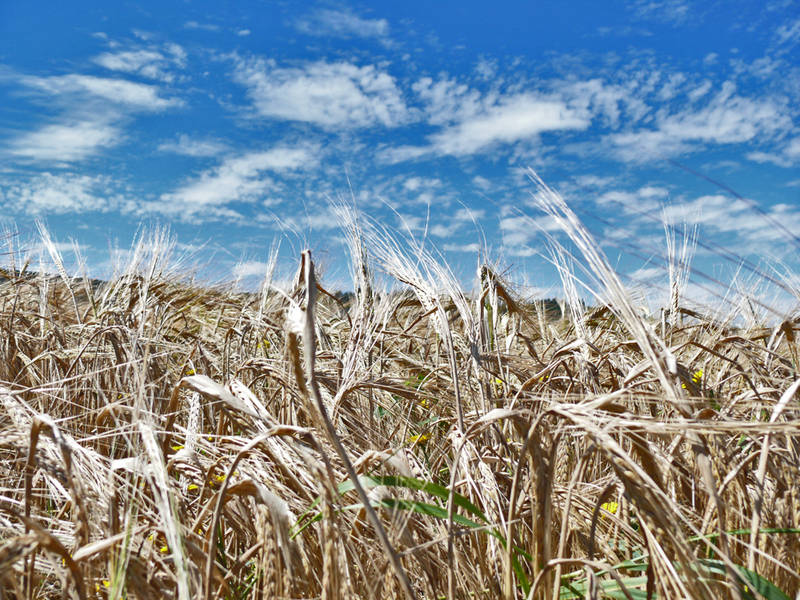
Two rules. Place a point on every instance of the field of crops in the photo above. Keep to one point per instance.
(163, 439)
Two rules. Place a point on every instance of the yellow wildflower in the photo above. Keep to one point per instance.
(610, 507)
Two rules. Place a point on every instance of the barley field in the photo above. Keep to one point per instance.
(165, 439)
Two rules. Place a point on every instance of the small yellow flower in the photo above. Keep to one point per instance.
(190, 371)
(697, 376)
(191, 486)
(164, 549)
(177, 447)
(610, 507)
(424, 403)
(419, 438)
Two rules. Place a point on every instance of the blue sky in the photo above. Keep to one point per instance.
(238, 124)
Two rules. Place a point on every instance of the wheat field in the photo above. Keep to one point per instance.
(165, 439)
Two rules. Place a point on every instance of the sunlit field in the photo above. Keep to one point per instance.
(166, 439)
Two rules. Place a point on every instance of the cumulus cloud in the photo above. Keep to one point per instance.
(667, 11)
(789, 33)
(241, 179)
(65, 142)
(468, 247)
(647, 199)
(510, 120)
(726, 119)
(200, 26)
(331, 95)
(343, 24)
(250, 268)
(470, 122)
(457, 221)
(151, 63)
(723, 214)
(138, 96)
(188, 146)
(49, 194)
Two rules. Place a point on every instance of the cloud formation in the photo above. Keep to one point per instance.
(119, 92)
(188, 146)
(337, 95)
(151, 63)
(241, 179)
(469, 122)
(56, 194)
(65, 142)
(343, 24)
(727, 119)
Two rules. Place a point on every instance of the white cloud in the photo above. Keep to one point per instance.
(671, 86)
(117, 91)
(648, 275)
(700, 91)
(471, 121)
(243, 32)
(667, 11)
(594, 181)
(787, 156)
(519, 230)
(457, 221)
(331, 95)
(240, 179)
(481, 183)
(469, 247)
(448, 101)
(50, 194)
(770, 157)
(507, 120)
(129, 61)
(789, 32)
(511, 120)
(342, 24)
(613, 103)
(726, 119)
(724, 214)
(150, 63)
(402, 153)
(65, 142)
(250, 268)
(414, 184)
(647, 199)
(200, 26)
(188, 146)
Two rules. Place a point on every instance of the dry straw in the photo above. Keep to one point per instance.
(164, 439)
